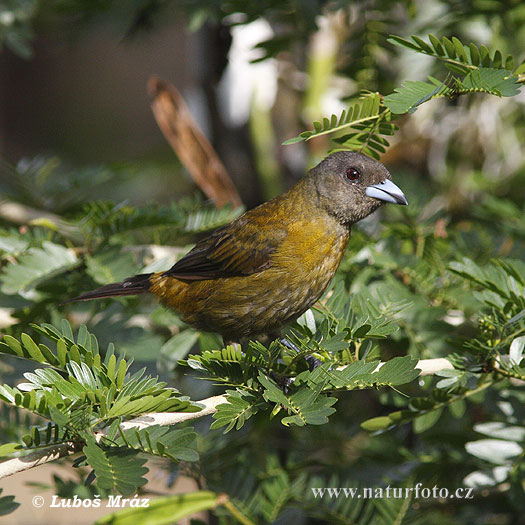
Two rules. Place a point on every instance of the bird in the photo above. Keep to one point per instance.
(262, 271)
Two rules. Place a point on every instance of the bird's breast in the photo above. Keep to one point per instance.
(299, 272)
(311, 251)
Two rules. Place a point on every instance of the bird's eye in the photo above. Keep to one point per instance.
(352, 174)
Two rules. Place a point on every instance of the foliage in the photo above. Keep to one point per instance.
(430, 281)
(166, 510)
(82, 389)
(474, 70)
(82, 394)
(370, 121)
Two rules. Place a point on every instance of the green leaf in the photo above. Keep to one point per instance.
(272, 392)
(486, 61)
(29, 350)
(460, 49)
(308, 406)
(121, 373)
(449, 47)
(413, 93)
(497, 82)
(402, 42)
(458, 408)
(164, 511)
(376, 423)
(452, 377)
(423, 46)
(117, 469)
(397, 371)
(239, 408)
(111, 266)
(427, 421)
(436, 44)
(520, 69)
(36, 266)
(475, 57)
(364, 111)
(58, 416)
(497, 61)
(501, 279)
(454, 52)
(294, 140)
(307, 320)
(176, 444)
(108, 219)
(32, 349)
(12, 346)
(111, 367)
(8, 448)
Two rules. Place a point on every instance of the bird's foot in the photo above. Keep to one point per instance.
(283, 382)
(312, 361)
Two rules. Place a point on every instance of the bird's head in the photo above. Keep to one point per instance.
(351, 186)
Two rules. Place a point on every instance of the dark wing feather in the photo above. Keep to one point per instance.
(241, 248)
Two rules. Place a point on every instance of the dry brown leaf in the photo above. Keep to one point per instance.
(190, 144)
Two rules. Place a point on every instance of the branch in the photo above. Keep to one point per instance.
(429, 367)
(37, 457)
(21, 214)
(48, 454)
(172, 418)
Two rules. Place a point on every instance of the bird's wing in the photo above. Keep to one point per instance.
(243, 247)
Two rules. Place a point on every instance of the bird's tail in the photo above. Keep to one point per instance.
(130, 286)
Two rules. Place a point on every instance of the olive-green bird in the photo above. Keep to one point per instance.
(271, 264)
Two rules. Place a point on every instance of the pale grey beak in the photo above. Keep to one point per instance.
(386, 191)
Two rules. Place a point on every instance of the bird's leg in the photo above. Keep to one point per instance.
(312, 361)
(283, 382)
